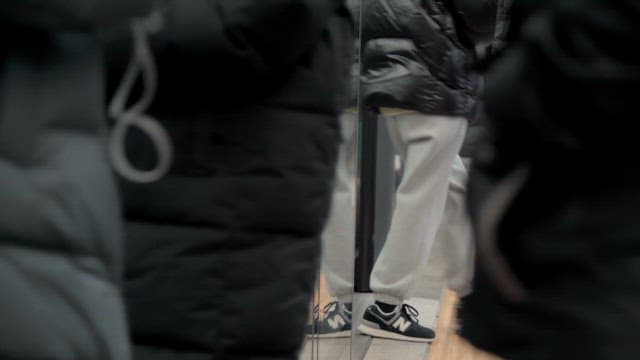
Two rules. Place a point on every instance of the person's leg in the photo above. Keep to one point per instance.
(429, 146)
(338, 246)
(432, 144)
(452, 256)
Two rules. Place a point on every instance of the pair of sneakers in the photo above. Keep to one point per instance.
(400, 323)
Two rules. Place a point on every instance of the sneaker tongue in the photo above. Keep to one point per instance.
(387, 308)
(388, 314)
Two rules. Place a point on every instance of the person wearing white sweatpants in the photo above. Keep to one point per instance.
(415, 69)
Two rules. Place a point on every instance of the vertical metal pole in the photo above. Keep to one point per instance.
(366, 209)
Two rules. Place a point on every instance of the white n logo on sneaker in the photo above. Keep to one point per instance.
(401, 324)
(337, 322)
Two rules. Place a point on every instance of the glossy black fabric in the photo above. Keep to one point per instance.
(561, 103)
(414, 58)
(60, 227)
(222, 253)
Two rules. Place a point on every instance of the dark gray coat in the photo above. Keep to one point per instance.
(60, 233)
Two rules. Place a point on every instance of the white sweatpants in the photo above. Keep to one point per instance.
(452, 257)
(428, 146)
(338, 238)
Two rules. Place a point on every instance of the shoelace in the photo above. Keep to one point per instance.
(410, 311)
(330, 307)
(142, 63)
(325, 310)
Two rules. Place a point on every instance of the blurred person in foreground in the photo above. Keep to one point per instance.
(61, 255)
(555, 195)
(222, 252)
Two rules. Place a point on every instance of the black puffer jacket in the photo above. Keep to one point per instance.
(223, 252)
(417, 55)
(561, 274)
(60, 227)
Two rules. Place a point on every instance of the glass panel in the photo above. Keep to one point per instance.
(330, 314)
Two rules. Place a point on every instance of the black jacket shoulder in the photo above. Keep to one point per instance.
(415, 57)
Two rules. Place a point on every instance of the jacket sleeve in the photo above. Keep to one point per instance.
(70, 14)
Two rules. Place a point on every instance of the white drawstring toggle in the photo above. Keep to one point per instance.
(141, 63)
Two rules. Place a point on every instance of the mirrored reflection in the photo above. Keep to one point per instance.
(330, 329)
(332, 308)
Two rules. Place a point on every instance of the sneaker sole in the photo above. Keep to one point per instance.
(335, 335)
(378, 333)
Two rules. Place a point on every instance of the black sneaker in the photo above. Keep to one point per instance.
(401, 324)
(335, 323)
